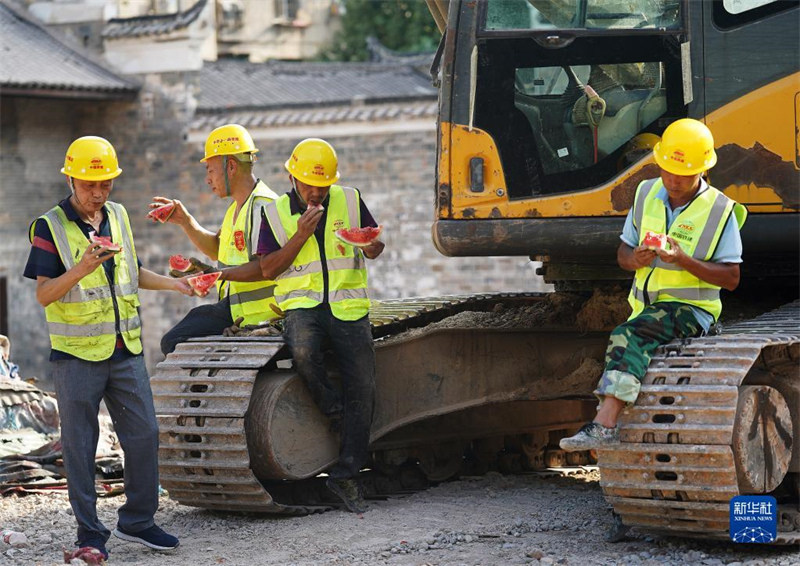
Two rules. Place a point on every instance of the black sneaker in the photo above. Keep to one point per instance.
(348, 491)
(93, 542)
(590, 437)
(153, 537)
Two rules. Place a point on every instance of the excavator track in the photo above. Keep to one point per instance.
(202, 393)
(717, 417)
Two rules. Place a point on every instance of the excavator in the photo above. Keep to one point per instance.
(548, 110)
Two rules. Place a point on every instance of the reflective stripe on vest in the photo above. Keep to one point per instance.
(302, 285)
(249, 300)
(83, 323)
(697, 228)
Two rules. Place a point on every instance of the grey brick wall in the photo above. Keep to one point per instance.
(395, 173)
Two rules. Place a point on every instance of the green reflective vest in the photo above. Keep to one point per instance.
(302, 285)
(237, 244)
(697, 228)
(83, 322)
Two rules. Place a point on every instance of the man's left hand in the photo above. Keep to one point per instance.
(675, 254)
(374, 249)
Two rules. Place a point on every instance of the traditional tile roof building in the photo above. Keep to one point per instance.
(153, 25)
(36, 63)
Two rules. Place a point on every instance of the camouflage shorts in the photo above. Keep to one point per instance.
(632, 344)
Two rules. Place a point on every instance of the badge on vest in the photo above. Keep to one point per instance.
(684, 230)
(238, 240)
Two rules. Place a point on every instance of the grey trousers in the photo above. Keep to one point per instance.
(125, 386)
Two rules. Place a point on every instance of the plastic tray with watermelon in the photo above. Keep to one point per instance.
(104, 241)
(359, 237)
(655, 241)
(203, 282)
(162, 213)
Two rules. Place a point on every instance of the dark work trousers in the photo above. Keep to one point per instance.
(307, 332)
(125, 387)
(205, 320)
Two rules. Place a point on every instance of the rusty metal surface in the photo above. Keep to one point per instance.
(674, 471)
(231, 422)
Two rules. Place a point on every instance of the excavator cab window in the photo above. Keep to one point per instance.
(563, 86)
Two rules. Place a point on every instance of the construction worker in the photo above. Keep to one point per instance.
(244, 297)
(675, 292)
(89, 291)
(322, 289)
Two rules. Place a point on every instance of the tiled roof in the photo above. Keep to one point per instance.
(33, 59)
(230, 84)
(152, 25)
(391, 111)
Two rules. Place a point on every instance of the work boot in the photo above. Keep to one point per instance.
(349, 492)
(591, 436)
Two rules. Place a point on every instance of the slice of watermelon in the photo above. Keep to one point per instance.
(180, 263)
(203, 282)
(655, 241)
(162, 213)
(104, 241)
(359, 237)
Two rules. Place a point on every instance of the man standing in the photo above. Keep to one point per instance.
(322, 288)
(90, 294)
(675, 292)
(229, 157)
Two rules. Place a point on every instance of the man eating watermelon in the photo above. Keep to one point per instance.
(676, 291)
(321, 286)
(245, 297)
(88, 279)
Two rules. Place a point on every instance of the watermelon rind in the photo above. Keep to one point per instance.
(342, 235)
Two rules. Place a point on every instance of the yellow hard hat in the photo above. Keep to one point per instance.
(230, 139)
(91, 158)
(314, 162)
(686, 148)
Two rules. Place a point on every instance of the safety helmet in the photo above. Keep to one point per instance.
(314, 162)
(686, 148)
(91, 158)
(230, 139)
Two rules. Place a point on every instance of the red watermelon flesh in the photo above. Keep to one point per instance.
(359, 237)
(162, 213)
(203, 282)
(655, 241)
(180, 263)
(104, 241)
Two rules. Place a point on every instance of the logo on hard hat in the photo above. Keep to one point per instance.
(678, 156)
(318, 169)
(97, 163)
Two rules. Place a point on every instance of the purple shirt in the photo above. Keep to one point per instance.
(266, 239)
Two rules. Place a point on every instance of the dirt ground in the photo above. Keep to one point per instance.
(489, 520)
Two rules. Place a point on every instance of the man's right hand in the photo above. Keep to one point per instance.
(93, 256)
(643, 256)
(180, 215)
(308, 221)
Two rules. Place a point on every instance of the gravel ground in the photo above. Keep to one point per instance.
(490, 520)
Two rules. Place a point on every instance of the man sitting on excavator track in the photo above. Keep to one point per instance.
(322, 289)
(244, 298)
(675, 291)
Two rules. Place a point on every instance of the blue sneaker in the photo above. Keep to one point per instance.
(153, 537)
